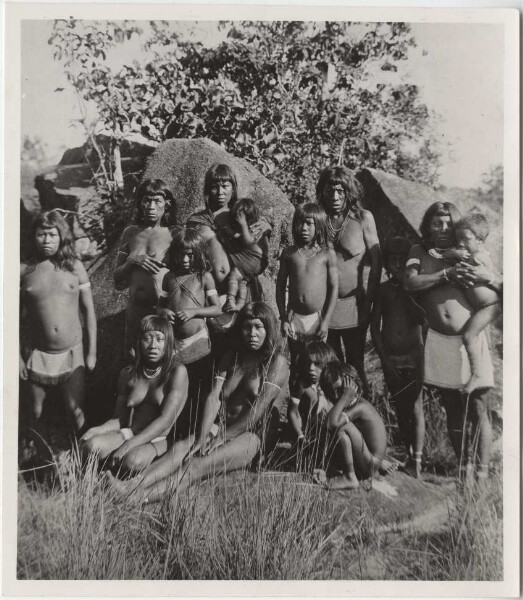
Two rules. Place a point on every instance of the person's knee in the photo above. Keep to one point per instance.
(468, 338)
(92, 446)
(136, 461)
(37, 408)
(253, 444)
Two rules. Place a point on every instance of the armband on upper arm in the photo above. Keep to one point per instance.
(413, 262)
(211, 293)
(84, 286)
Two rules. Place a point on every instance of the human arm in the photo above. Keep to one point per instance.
(377, 338)
(281, 289)
(22, 368)
(483, 273)
(87, 308)
(212, 306)
(372, 244)
(335, 419)
(414, 281)
(175, 397)
(294, 417)
(246, 235)
(332, 293)
(127, 259)
(260, 229)
(276, 378)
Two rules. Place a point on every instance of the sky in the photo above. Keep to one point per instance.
(458, 68)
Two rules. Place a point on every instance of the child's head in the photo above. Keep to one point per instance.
(155, 345)
(312, 360)
(53, 240)
(338, 187)
(248, 207)
(337, 377)
(471, 232)
(309, 225)
(220, 187)
(155, 202)
(187, 252)
(395, 252)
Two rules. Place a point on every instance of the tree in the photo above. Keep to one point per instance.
(290, 97)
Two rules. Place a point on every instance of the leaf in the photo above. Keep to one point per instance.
(59, 89)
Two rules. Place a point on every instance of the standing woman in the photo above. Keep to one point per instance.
(141, 257)
(249, 380)
(442, 294)
(352, 232)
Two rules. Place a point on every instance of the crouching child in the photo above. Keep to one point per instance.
(359, 432)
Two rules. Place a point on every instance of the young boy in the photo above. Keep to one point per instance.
(396, 330)
(308, 406)
(361, 439)
(309, 269)
(471, 232)
(248, 255)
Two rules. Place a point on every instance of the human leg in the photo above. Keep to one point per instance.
(479, 413)
(354, 343)
(241, 296)
(343, 459)
(140, 458)
(334, 341)
(102, 445)
(473, 327)
(233, 281)
(452, 401)
(73, 390)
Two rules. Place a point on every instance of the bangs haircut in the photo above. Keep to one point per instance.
(248, 207)
(335, 371)
(311, 210)
(167, 363)
(438, 209)
(315, 351)
(263, 312)
(338, 175)
(193, 240)
(217, 173)
(396, 246)
(475, 222)
(156, 187)
(66, 256)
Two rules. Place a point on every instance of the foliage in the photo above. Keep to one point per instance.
(290, 97)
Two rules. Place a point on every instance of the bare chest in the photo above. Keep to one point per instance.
(47, 282)
(143, 392)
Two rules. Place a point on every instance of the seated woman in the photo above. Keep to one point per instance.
(151, 395)
(250, 379)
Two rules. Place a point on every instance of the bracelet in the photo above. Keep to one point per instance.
(445, 276)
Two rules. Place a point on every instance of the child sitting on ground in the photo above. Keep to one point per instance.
(248, 255)
(308, 406)
(309, 269)
(471, 233)
(396, 330)
(360, 436)
(53, 286)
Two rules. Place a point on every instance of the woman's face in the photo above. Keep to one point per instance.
(153, 207)
(47, 241)
(220, 194)
(253, 334)
(152, 346)
(441, 231)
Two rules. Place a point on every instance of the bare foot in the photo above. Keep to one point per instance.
(413, 468)
(472, 384)
(229, 306)
(343, 482)
(387, 467)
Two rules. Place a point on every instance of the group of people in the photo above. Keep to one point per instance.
(206, 359)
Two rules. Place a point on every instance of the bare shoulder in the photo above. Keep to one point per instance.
(24, 269)
(179, 373)
(288, 252)
(79, 270)
(208, 280)
(279, 370)
(417, 251)
(130, 232)
(367, 218)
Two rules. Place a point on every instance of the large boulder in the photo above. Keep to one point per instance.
(183, 164)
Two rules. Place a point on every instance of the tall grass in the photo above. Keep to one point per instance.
(245, 526)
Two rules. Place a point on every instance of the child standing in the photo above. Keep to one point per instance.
(309, 270)
(396, 330)
(361, 439)
(53, 287)
(142, 254)
(248, 254)
(471, 233)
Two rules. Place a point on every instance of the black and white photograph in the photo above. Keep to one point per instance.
(261, 271)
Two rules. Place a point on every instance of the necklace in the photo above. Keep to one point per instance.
(436, 252)
(153, 374)
(315, 250)
(331, 226)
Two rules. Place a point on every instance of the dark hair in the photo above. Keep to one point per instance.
(66, 256)
(475, 222)
(398, 246)
(167, 362)
(248, 207)
(438, 209)
(314, 211)
(351, 186)
(220, 172)
(316, 351)
(156, 187)
(262, 311)
(336, 370)
(189, 238)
